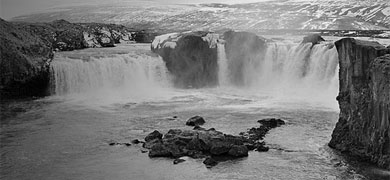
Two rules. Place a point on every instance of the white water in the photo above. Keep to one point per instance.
(67, 137)
(120, 76)
(223, 74)
(290, 71)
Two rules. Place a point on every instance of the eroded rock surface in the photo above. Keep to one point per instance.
(24, 62)
(363, 128)
(202, 143)
(27, 50)
(195, 121)
(191, 57)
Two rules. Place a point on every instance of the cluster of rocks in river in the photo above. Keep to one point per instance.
(208, 143)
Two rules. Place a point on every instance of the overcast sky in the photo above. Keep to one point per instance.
(12, 8)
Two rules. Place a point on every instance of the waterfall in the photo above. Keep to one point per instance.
(290, 68)
(223, 76)
(134, 74)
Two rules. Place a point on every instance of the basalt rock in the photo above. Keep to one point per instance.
(210, 162)
(24, 62)
(195, 121)
(271, 122)
(242, 47)
(27, 50)
(363, 129)
(201, 143)
(191, 57)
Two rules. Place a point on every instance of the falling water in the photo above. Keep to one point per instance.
(290, 69)
(129, 72)
(223, 74)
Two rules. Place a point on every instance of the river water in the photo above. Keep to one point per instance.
(123, 93)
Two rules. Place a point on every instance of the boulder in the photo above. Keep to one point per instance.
(190, 57)
(68, 36)
(159, 150)
(195, 121)
(177, 161)
(219, 147)
(271, 122)
(151, 143)
(210, 162)
(238, 151)
(312, 38)
(242, 47)
(363, 128)
(135, 141)
(153, 135)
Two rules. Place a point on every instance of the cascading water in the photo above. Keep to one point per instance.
(289, 69)
(223, 76)
(130, 74)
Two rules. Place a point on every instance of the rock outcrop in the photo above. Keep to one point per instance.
(363, 129)
(24, 62)
(27, 50)
(241, 47)
(191, 57)
(202, 143)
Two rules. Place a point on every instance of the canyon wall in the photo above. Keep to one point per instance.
(363, 129)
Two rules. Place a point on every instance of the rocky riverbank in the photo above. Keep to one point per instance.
(363, 129)
(28, 48)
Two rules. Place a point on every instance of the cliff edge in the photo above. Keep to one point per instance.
(191, 57)
(363, 129)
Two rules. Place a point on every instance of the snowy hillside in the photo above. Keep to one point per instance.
(277, 14)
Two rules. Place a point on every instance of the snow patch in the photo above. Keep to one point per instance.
(158, 40)
(211, 39)
(386, 11)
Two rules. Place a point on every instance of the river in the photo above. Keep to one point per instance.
(123, 93)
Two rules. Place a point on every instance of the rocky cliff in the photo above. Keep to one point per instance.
(191, 57)
(241, 47)
(363, 129)
(24, 62)
(27, 50)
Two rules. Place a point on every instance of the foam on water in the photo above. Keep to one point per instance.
(289, 71)
(120, 77)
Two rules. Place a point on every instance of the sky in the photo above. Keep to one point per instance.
(12, 8)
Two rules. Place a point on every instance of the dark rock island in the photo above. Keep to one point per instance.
(210, 144)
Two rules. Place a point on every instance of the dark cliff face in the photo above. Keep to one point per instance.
(241, 47)
(363, 128)
(27, 50)
(24, 62)
(190, 57)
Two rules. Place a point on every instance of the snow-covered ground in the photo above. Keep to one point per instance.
(290, 14)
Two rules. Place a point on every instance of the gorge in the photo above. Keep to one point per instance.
(232, 77)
